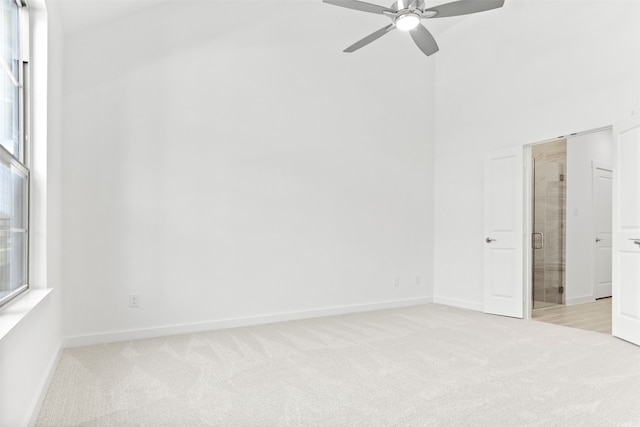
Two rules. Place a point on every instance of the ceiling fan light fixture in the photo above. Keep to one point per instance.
(407, 14)
(407, 21)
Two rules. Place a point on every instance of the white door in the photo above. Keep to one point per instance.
(602, 181)
(503, 232)
(626, 230)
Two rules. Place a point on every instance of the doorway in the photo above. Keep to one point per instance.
(508, 259)
(571, 210)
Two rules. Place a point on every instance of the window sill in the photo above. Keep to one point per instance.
(14, 312)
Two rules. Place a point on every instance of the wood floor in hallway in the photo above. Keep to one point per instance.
(592, 316)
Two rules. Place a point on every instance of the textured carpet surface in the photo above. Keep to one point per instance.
(429, 365)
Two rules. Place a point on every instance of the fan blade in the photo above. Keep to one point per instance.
(464, 7)
(371, 37)
(424, 40)
(359, 5)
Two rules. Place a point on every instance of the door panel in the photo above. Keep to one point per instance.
(502, 262)
(502, 194)
(630, 297)
(626, 230)
(503, 226)
(602, 189)
(628, 153)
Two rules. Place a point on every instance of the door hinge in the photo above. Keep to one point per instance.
(561, 289)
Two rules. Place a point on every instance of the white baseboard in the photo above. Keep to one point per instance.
(134, 334)
(469, 305)
(579, 300)
(44, 387)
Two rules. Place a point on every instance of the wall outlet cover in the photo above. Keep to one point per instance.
(134, 301)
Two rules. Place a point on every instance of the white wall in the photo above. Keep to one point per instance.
(29, 352)
(226, 160)
(582, 152)
(529, 72)
(28, 355)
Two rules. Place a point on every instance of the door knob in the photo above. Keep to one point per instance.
(636, 241)
(489, 240)
(598, 240)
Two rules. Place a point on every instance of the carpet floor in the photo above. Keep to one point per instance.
(429, 365)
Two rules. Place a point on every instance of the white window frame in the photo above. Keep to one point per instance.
(21, 163)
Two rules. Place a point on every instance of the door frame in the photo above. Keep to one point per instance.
(527, 283)
(528, 229)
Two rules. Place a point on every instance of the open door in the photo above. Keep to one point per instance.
(626, 230)
(503, 227)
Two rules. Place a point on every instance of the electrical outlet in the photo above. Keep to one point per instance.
(396, 281)
(134, 301)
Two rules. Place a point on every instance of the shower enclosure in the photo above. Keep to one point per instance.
(549, 219)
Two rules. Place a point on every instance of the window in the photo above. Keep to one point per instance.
(14, 171)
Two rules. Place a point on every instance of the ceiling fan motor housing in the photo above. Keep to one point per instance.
(408, 4)
(407, 11)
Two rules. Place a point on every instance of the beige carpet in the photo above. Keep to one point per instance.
(430, 365)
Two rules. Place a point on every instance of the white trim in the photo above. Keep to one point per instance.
(15, 311)
(580, 300)
(127, 335)
(44, 387)
(571, 135)
(528, 230)
(453, 302)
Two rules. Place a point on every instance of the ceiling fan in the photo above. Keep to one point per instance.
(406, 15)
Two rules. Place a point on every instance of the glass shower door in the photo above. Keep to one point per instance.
(548, 239)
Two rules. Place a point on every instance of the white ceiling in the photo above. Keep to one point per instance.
(80, 14)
